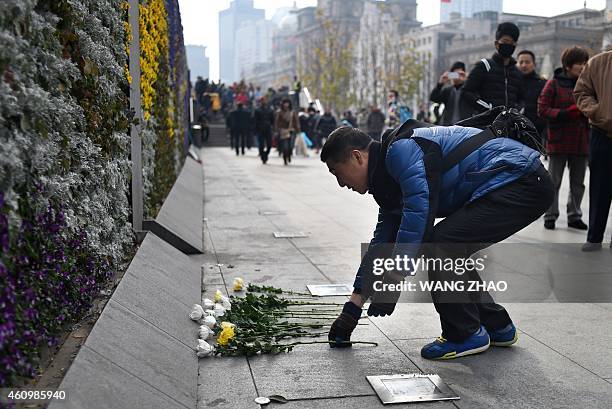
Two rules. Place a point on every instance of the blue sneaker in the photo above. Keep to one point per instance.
(444, 349)
(504, 337)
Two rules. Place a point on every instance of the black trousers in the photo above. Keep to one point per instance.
(264, 141)
(240, 139)
(600, 184)
(489, 219)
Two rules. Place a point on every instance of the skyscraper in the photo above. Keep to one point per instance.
(467, 8)
(197, 61)
(239, 11)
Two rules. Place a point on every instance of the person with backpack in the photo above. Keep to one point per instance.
(397, 112)
(568, 136)
(487, 188)
(496, 81)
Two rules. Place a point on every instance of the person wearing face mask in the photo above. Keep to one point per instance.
(533, 86)
(496, 81)
(448, 92)
(568, 136)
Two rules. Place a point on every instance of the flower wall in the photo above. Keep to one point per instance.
(64, 157)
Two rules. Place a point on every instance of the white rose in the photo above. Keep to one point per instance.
(204, 332)
(226, 303)
(196, 312)
(208, 303)
(203, 349)
(219, 310)
(209, 321)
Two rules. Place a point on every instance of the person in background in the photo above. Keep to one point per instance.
(568, 136)
(496, 81)
(423, 114)
(287, 125)
(594, 98)
(393, 109)
(448, 92)
(264, 121)
(239, 122)
(375, 123)
(350, 118)
(533, 87)
(325, 125)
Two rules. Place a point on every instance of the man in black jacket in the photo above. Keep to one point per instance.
(454, 108)
(325, 125)
(533, 86)
(264, 121)
(239, 121)
(496, 81)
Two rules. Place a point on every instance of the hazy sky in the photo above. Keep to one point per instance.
(201, 17)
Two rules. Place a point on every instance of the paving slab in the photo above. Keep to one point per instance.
(182, 211)
(528, 375)
(226, 383)
(580, 332)
(94, 382)
(352, 402)
(145, 288)
(318, 371)
(145, 351)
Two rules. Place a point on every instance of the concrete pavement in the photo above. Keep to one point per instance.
(562, 359)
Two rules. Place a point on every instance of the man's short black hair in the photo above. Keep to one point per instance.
(507, 29)
(529, 53)
(457, 65)
(342, 141)
(574, 55)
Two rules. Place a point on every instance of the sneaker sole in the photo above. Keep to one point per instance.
(453, 355)
(506, 343)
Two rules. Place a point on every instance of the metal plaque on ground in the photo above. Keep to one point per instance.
(289, 234)
(330, 289)
(407, 388)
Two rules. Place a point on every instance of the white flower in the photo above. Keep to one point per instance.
(204, 332)
(209, 312)
(226, 303)
(209, 321)
(219, 310)
(207, 304)
(196, 312)
(203, 349)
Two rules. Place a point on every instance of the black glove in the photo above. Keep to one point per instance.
(340, 331)
(383, 302)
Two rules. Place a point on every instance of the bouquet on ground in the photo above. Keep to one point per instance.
(267, 320)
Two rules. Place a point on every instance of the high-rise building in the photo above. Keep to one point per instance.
(197, 61)
(451, 9)
(253, 47)
(239, 12)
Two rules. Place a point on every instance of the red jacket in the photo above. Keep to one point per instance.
(568, 129)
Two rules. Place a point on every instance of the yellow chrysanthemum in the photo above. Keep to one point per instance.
(226, 335)
(238, 284)
(226, 324)
(218, 296)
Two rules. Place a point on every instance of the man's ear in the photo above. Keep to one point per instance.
(359, 156)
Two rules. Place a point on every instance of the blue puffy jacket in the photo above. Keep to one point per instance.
(493, 165)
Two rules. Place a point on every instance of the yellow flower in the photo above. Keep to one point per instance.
(218, 296)
(226, 335)
(238, 284)
(226, 324)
